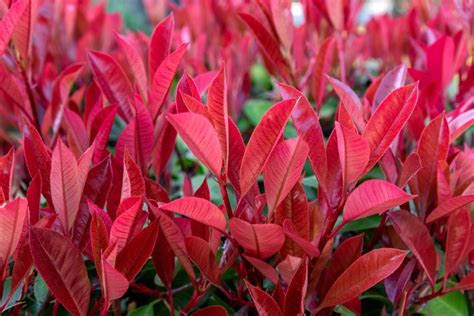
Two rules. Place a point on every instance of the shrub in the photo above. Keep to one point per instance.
(122, 189)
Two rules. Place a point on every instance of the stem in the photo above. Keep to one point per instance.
(225, 197)
(116, 307)
(171, 301)
(55, 307)
(31, 98)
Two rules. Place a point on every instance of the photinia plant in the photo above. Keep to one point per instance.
(234, 162)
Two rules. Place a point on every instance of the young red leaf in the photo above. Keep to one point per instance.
(60, 264)
(394, 79)
(291, 232)
(163, 78)
(373, 197)
(361, 275)
(214, 310)
(457, 241)
(418, 239)
(307, 125)
(432, 147)
(259, 240)
(33, 195)
(135, 63)
(9, 22)
(449, 206)
(346, 253)
(199, 210)
(66, 190)
(133, 183)
(199, 134)
(262, 142)
(264, 268)
(7, 164)
(388, 120)
(99, 236)
(410, 168)
(467, 283)
(174, 237)
(37, 158)
(137, 252)
(268, 45)
(201, 254)
(354, 153)
(283, 170)
(350, 101)
(395, 284)
(218, 111)
(321, 67)
(296, 209)
(113, 82)
(160, 43)
(12, 218)
(296, 293)
(264, 303)
(114, 284)
(128, 223)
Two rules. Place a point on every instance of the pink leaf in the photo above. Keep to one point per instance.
(449, 206)
(160, 43)
(373, 197)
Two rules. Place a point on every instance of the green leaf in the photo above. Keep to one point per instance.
(6, 291)
(366, 223)
(453, 304)
(40, 289)
(254, 109)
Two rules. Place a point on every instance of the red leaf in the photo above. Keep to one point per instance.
(259, 240)
(201, 254)
(160, 43)
(457, 241)
(373, 197)
(346, 253)
(33, 195)
(174, 237)
(283, 171)
(388, 120)
(410, 168)
(99, 236)
(307, 125)
(354, 153)
(291, 232)
(264, 303)
(135, 63)
(321, 67)
(199, 134)
(133, 183)
(364, 273)
(66, 189)
(137, 252)
(114, 284)
(214, 310)
(236, 153)
(295, 208)
(264, 268)
(137, 137)
(127, 224)
(10, 21)
(60, 264)
(7, 164)
(163, 78)
(262, 142)
(218, 111)
(418, 239)
(432, 147)
(395, 284)
(199, 210)
(449, 206)
(113, 82)
(106, 120)
(394, 79)
(164, 144)
(268, 45)
(467, 283)
(350, 101)
(295, 295)
(38, 158)
(12, 219)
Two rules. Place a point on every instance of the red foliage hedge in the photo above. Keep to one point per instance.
(366, 157)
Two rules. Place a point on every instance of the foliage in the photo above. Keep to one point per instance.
(233, 162)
